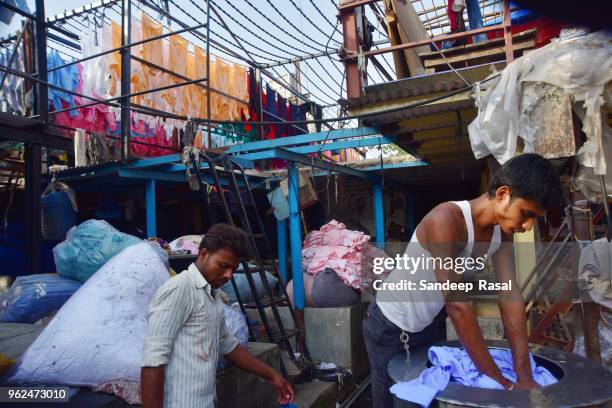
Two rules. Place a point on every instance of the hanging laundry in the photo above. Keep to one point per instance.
(270, 106)
(316, 111)
(281, 111)
(238, 89)
(67, 78)
(199, 56)
(151, 51)
(13, 88)
(301, 115)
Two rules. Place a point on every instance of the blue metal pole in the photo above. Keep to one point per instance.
(281, 228)
(379, 215)
(410, 213)
(295, 235)
(151, 211)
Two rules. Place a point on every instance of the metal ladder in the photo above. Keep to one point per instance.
(249, 220)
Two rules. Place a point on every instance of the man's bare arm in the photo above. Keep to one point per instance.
(152, 386)
(512, 310)
(442, 235)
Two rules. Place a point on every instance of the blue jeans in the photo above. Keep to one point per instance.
(475, 19)
(382, 340)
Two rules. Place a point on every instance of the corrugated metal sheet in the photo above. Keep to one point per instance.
(423, 85)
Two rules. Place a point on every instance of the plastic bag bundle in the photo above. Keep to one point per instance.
(88, 247)
(97, 336)
(237, 325)
(33, 297)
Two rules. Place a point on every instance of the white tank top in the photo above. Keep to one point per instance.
(413, 310)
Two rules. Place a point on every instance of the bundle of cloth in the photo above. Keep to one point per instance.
(337, 265)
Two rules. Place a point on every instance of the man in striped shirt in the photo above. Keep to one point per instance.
(187, 330)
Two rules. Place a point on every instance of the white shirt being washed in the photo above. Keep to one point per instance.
(186, 332)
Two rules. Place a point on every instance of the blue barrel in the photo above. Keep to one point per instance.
(57, 216)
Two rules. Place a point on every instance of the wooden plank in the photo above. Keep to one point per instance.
(460, 49)
(500, 50)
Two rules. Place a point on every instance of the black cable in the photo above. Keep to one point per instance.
(334, 27)
(340, 84)
(203, 39)
(313, 84)
(263, 29)
(313, 24)
(276, 25)
(58, 50)
(221, 37)
(230, 43)
(280, 77)
(291, 24)
(249, 30)
(321, 79)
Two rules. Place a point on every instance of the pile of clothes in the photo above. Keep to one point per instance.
(337, 265)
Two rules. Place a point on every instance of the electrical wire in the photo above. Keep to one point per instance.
(263, 29)
(250, 31)
(222, 37)
(315, 25)
(321, 79)
(291, 24)
(340, 84)
(331, 98)
(253, 53)
(334, 27)
(201, 37)
(303, 87)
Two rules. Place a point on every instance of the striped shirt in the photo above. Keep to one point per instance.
(186, 333)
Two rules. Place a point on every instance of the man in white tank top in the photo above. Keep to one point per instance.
(524, 188)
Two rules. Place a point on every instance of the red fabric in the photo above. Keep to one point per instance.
(453, 17)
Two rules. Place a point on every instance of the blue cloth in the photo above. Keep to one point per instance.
(475, 19)
(454, 364)
(67, 78)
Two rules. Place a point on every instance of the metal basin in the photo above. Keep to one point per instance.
(581, 382)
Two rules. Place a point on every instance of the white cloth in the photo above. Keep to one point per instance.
(413, 310)
(186, 333)
(581, 66)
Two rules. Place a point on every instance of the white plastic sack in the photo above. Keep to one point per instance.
(97, 336)
(581, 66)
(236, 324)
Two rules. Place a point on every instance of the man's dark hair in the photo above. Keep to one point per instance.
(532, 177)
(224, 236)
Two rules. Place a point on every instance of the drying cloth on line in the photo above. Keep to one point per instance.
(454, 364)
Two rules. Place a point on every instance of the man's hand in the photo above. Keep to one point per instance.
(241, 358)
(525, 384)
(283, 388)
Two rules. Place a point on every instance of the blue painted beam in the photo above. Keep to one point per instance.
(152, 175)
(300, 139)
(379, 215)
(151, 210)
(389, 166)
(295, 234)
(281, 228)
(292, 157)
(176, 159)
(347, 144)
(153, 161)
